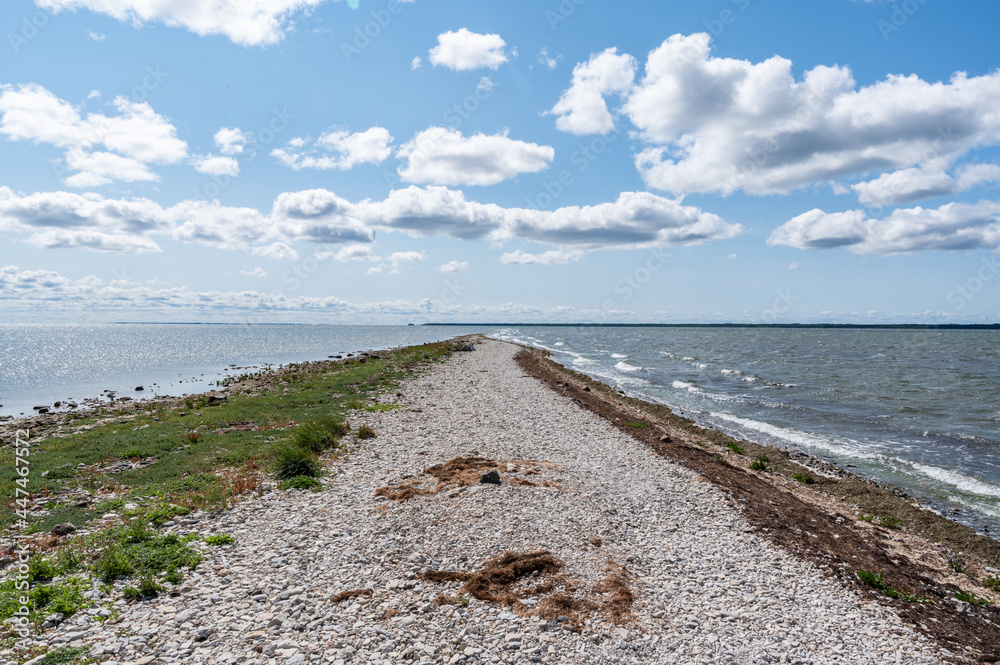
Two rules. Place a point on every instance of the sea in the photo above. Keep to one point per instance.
(914, 408)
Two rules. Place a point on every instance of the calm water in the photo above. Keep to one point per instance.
(40, 364)
(919, 409)
(916, 408)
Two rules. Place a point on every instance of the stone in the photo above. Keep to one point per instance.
(63, 529)
(490, 478)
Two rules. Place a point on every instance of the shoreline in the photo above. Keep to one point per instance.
(784, 523)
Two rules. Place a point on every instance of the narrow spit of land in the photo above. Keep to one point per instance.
(612, 537)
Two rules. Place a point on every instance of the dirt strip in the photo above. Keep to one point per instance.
(814, 522)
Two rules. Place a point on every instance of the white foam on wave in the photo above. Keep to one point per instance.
(558, 344)
(732, 372)
(689, 358)
(623, 366)
(959, 480)
(618, 356)
(581, 360)
(798, 438)
(686, 385)
(701, 365)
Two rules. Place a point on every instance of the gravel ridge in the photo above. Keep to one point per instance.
(706, 588)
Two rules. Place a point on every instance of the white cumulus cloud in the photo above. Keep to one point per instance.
(463, 50)
(454, 266)
(216, 165)
(582, 109)
(553, 257)
(337, 149)
(443, 156)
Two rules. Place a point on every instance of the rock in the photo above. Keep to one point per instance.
(63, 529)
(466, 347)
(586, 389)
(139, 389)
(490, 478)
(41, 409)
(666, 439)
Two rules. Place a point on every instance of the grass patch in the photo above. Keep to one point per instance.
(366, 432)
(804, 478)
(971, 599)
(992, 582)
(291, 461)
(890, 521)
(736, 448)
(65, 656)
(220, 539)
(760, 463)
(300, 483)
(321, 434)
(638, 425)
(382, 407)
(876, 581)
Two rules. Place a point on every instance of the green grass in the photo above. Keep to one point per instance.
(291, 461)
(971, 599)
(300, 483)
(875, 580)
(760, 463)
(992, 582)
(805, 478)
(320, 434)
(220, 539)
(736, 448)
(65, 656)
(382, 407)
(890, 521)
(187, 447)
(366, 432)
(639, 425)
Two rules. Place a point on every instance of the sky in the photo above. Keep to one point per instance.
(391, 161)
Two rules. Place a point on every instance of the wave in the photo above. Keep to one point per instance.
(623, 366)
(732, 372)
(581, 360)
(618, 356)
(959, 480)
(836, 445)
(686, 385)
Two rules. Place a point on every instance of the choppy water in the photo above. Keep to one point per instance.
(919, 409)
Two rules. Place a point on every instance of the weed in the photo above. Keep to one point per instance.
(805, 478)
(760, 463)
(867, 518)
(320, 434)
(955, 561)
(366, 432)
(193, 437)
(890, 521)
(112, 563)
(355, 405)
(61, 473)
(41, 569)
(299, 483)
(291, 461)
(876, 581)
(66, 598)
(736, 448)
(64, 656)
(131, 453)
(638, 425)
(718, 456)
(220, 539)
(164, 513)
(992, 582)
(971, 599)
(173, 576)
(382, 407)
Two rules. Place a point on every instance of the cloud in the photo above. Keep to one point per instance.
(220, 226)
(464, 50)
(320, 216)
(954, 226)
(215, 165)
(247, 22)
(721, 125)
(230, 141)
(556, 256)
(454, 266)
(547, 60)
(256, 272)
(118, 243)
(97, 37)
(277, 251)
(340, 150)
(794, 266)
(350, 253)
(443, 156)
(133, 138)
(908, 185)
(416, 63)
(582, 108)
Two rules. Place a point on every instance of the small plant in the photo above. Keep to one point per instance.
(805, 478)
(188, 404)
(890, 521)
(131, 453)
(173, 576)
(638, 425)
(355, 405)
(955, 561)
(736, 448)
(866, 518)
(366, 432)
(760, 463)
(299, 483)
(971, 599)
(718, 457)
(64, 656)
(193, 437)
(321, 434)
(875, 580)
(220, 539)
(113, 563)
(992, 582)
(41, 569)
(291, 461)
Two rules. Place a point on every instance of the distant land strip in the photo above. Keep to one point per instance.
(850, 326)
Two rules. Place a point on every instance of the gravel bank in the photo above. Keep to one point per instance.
(618, 520)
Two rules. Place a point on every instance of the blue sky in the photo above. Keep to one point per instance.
(387, 162)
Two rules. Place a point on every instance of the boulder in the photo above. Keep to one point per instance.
(490, 478)
(63, 529)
